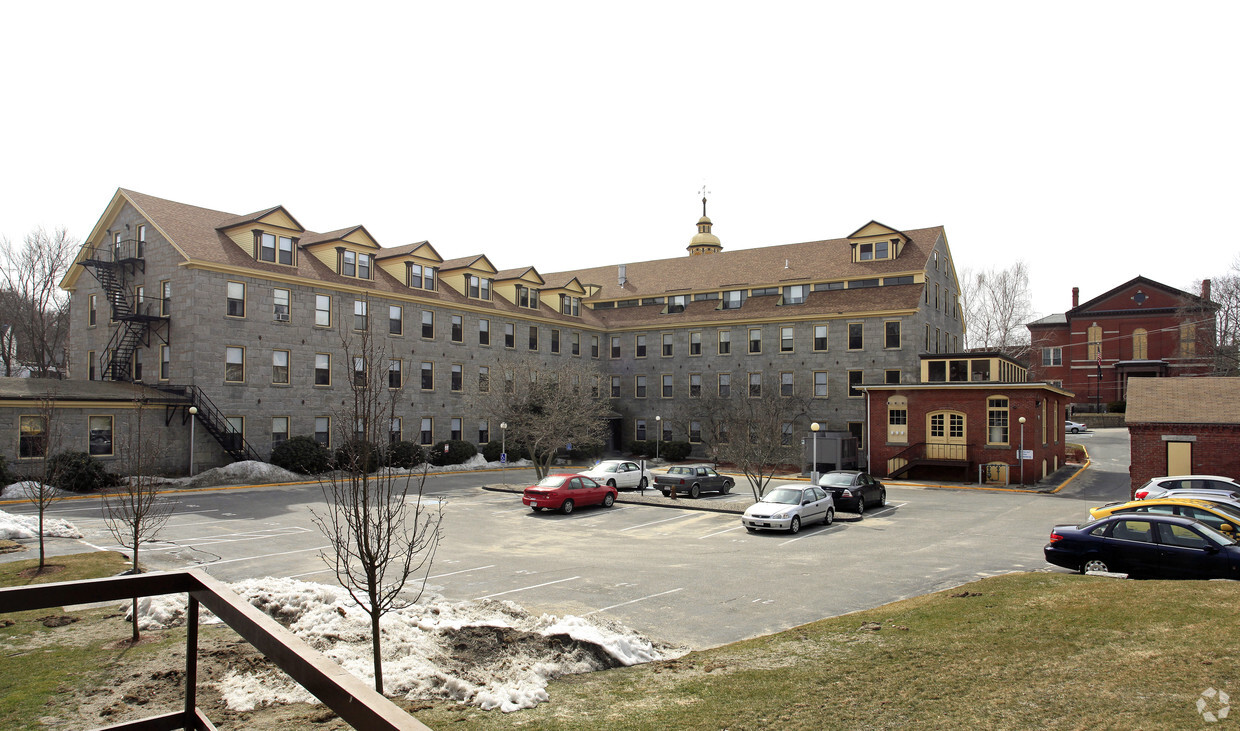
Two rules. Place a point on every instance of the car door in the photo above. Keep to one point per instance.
(626, 474)
(813, 507)
(591, 492)
(868, 488)
(1130, 547)
(1184, 554)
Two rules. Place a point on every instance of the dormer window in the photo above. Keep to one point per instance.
(421, 277)
(348, 265)
(363, 266)
(570, 305)
(527, 297)
(275, 249)
(676, 303)
(875, 250)
(733, 299)
(795, 294)
(479, 288)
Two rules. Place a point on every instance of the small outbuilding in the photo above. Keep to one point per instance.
(1183, 426)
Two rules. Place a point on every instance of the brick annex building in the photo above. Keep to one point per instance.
(242, 316)
(1140, 329)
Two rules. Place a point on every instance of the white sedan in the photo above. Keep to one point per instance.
(619, 473)
(787, 507)
(1074, 427)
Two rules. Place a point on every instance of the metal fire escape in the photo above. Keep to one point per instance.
(139, 319)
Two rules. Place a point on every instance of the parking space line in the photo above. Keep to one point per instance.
(719, 533)
(462, 571)
(634, 601)
(525, 588)
(234, 538)
(655, 522)
(265, 555)
(806, 534)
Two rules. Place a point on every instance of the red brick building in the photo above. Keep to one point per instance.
(1184, 426)
(1139, 329)
(965, 414)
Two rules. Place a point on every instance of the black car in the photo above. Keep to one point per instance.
(854, 490)
(1145, 546)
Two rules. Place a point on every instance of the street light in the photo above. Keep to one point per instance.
(813, 472)
(1022, 449)
(658, 435)
(193, 412)
(503, 451)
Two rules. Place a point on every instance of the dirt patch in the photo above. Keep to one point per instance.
(48, 569)
(7, 546)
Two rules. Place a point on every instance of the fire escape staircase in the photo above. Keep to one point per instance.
(113, 266)
(925, 454)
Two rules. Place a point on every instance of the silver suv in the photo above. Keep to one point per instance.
(1223, 487)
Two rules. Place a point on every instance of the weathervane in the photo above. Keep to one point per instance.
(704, 192)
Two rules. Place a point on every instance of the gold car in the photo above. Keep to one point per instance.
(1215, 516)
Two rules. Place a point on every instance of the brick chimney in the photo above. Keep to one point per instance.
(1205, 290)
(1076, 297)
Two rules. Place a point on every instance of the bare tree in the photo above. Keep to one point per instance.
(755, 433)
(34, 305)
(997, 306)
(1218, 336)
(134, 511)
(38, 433)
(382, 533)
(546, 407)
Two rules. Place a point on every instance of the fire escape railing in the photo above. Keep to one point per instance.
(215, 422)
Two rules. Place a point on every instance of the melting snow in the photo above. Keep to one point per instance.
(490, 653)
(15, 527)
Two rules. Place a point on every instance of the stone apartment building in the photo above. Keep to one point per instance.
(244, 317)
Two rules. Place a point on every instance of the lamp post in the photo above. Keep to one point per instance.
(503, 451)
(193, 413)
(1022, 449)
(658, 435)
(813, 472)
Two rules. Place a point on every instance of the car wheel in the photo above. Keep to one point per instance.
(567, 507)
(666, 493)
(611, 483)
(860, 506)
(1075, 430)
(727, 486)
(882, 497)
(751, 530)
(536, 509)
(830, 517)
(643, 483)
(795, 525)
(1094, 564)
(609, 500)
(694, 492)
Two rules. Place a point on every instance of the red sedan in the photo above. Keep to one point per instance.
(566, 492)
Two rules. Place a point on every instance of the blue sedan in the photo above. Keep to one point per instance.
(1146, 546)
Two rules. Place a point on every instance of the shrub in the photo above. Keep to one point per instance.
(1117, 407)
(405, 455)
(491, 451)
(302, 455)
(641, 448)
(588, 453)
(358, 455)
(675, 451)
(457, 453)
(79, 472)
(6, 477)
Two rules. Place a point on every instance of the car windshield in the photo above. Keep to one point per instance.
(1214, 535)
(606, 467)
(836, 479)
(551, 481)
(680, 471)
(783, 496)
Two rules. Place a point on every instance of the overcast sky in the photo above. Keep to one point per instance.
(1095, 140)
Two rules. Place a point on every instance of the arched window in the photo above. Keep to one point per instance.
(1095, 341)
(997, 420)
(1140, 344)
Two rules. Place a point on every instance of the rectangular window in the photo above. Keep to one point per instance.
(575, 343)
(615, 386)
(322, 310)
(279, 367)
(533, 337)
(997, 421)
(733, 299)
(786, 342)
(639, 387)
(667, 385)
(555, 341)
(165, 362)
(639, 346)
(234, 364)
(285, 252)
(267, 247)
(92, 315)
(484, 379)
(236, 299)
(323, 430)
(695, 385)
(458, 329)
(755, 340)
(820, 384)
(428, 324)
(695, 343)
(359, 372)
(32, 437)
(348, 265)
(891, 377)
(280, 299)
(428, 376)
(90, 363)
(279, 430)
(484, 332)
(639, 430)
(165, 298)
(454, 429)
(854, 381)
(1052, 356)
(695, 432)
(510, 335)
(322, 369)
(425, 432)
(725, 342)
(484, 431)
(361, 315)
(570, 305)
(141, 240)
(891, 334)
(363, 266)
(795, 294)
(396, 377)
(755, 385)
(725, 385)
(137, 365)
(820, 338)
(396, 430)
(527, 297)
(856, 336)
(396, 320)
(615, 347)
(457, 377)
(785, 383)
(593, 346)
(100, 435)
(668, 347)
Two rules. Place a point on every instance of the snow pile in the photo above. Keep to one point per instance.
(26, 488)
(490, 653)
(14, 527)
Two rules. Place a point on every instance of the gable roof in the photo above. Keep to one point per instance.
(258, 216)
(1183, 401)
(1140, 281)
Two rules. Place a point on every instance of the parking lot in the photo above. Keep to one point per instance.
(689, 577)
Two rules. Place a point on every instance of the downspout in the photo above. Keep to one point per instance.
(868, 432)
